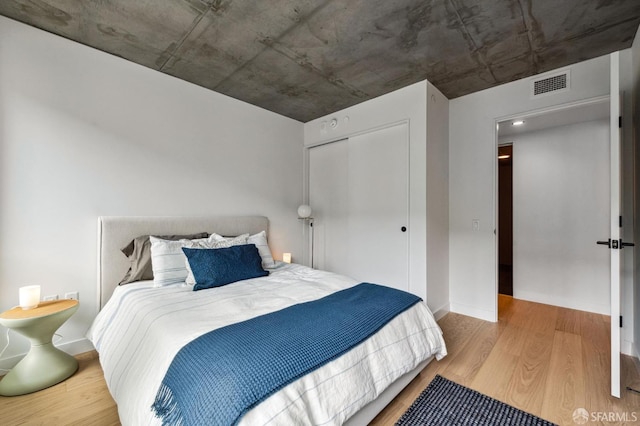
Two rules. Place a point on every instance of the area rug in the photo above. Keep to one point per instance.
(444, 402)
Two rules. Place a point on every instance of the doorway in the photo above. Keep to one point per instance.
(552, 204)
(505, 225)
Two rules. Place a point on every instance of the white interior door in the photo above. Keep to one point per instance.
(328, 198)
(379, 207)
(615, 242)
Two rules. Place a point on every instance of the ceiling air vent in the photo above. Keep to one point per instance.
(550, 85)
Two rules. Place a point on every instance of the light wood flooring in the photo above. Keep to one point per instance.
(542, 359)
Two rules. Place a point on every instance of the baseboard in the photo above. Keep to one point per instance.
(626, 348)
(635, 354)
(442, 311)
(636, 359)
(77, 346)
(548, 299)
(472, 311)
(72, 348)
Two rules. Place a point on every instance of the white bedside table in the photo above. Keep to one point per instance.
(44, 365)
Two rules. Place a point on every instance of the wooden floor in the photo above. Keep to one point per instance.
(543, 359)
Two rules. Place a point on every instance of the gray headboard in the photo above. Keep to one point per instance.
(115, 232)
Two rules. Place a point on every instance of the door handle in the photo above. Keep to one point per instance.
(615, 244)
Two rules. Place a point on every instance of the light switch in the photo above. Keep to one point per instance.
(475, 224)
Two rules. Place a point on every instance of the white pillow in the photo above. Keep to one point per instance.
(168, 261)
(260, 241)
(209, 243)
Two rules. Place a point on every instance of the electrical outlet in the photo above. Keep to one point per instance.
(50, 297)
(71, 295)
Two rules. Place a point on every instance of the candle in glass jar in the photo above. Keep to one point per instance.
(29, 296)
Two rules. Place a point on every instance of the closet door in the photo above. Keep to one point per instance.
(358, 189)
(328, 198)
(378, 207)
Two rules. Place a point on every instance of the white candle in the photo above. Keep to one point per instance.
(29, 296)
(286, 257)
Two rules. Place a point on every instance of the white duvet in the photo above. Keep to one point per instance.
(141, 328)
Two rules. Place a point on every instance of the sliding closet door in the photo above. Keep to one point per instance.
(328, 198)
(358, 189)
(379, 206)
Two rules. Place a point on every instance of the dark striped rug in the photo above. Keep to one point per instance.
(444, 402)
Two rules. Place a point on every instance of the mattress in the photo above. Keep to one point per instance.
(142, 327)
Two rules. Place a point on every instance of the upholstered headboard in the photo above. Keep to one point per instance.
(115, 232)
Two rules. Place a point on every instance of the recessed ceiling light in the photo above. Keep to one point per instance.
(502, 157)
(517, 123)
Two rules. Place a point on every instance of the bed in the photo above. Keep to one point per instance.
(141, 329)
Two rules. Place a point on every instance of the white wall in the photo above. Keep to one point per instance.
(437, 200)
(85, 134)
(406, 104)
(560, 209)
(472, 178)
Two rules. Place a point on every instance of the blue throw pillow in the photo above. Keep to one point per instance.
(218, 267)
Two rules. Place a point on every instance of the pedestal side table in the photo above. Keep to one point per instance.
(44, 365)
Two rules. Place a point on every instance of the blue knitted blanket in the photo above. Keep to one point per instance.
(218, 377)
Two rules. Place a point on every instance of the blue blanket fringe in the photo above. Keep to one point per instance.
(218, 377)
(166, 407)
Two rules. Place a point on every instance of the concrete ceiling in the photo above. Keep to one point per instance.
(305, 59)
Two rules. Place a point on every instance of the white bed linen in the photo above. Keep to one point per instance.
(141, 328)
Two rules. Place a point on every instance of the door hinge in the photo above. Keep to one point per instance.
(620, 221)
(620, 321)
(620, 122)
